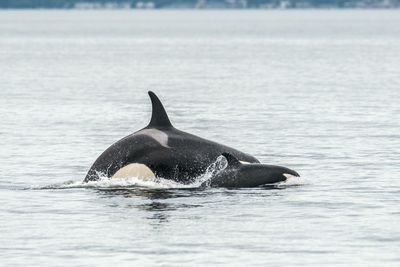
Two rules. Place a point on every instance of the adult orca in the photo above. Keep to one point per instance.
(160, 150)
(239, 174)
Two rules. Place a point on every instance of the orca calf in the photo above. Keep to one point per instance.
(160, 150)
(238, 174)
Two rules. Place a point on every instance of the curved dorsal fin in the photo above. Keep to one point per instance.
(159, 117)
(232, 160)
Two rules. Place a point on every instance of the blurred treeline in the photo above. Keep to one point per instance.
(200, 3)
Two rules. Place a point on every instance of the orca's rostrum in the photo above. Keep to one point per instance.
(160, 150)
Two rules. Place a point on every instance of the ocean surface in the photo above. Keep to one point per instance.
(316, 91)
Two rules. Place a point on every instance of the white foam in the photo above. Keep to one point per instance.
(115, 183)
(153, 182)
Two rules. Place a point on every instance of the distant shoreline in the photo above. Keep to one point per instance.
(202, 9)
(200, 4)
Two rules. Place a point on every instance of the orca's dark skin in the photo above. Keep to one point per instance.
(168, 152)
(237, 174)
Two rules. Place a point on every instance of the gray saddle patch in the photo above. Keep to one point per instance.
(157, 135)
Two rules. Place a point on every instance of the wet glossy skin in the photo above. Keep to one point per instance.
(237, 174)
(186, 157)
(168, 152)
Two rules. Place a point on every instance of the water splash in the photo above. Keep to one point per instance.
(160, 183)
(155, 183)
(215, 168)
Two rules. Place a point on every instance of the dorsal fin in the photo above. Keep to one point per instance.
(159, 117)
(232, 160)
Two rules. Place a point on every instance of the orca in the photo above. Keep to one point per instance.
(160, 150)
(238, 174)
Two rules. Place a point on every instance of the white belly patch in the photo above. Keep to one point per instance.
(137, 170)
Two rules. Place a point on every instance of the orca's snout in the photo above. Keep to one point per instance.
(292, 172)
(286, 172)
(283, 172)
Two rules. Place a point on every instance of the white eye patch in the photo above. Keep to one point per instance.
(288, 176)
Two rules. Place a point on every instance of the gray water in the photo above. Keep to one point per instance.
(316, 91)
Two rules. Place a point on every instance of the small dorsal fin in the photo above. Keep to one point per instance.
(159, 117)
(232, 160)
